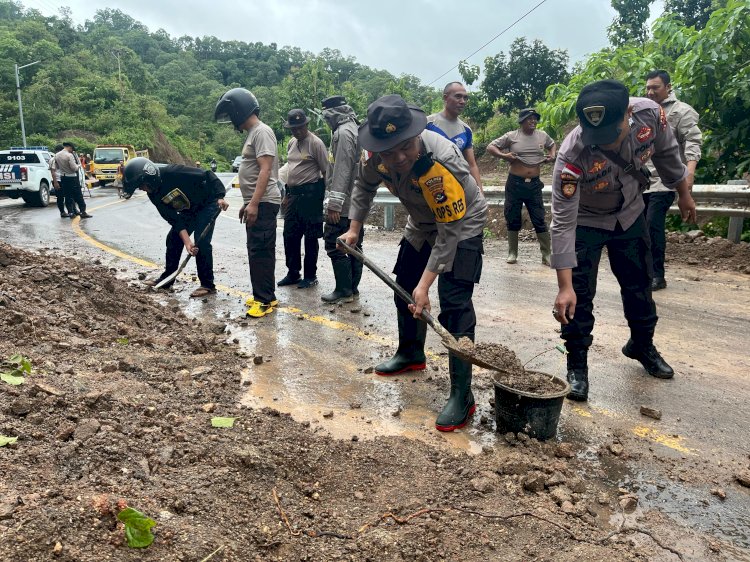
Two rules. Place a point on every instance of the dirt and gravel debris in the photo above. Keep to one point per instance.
(114, 414)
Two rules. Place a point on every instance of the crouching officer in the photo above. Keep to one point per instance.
(596, 202)
(343, 159)
(442, 240)
(188, 199)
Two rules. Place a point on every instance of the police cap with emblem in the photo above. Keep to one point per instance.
(601, 107)
(528, 112)
(296, 118)
(390, 121)
(333, 101)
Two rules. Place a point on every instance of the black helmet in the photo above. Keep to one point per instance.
(139, 171)
(236, 106)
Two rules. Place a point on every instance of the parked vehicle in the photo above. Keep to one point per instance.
(236, 164)
(109, 161)
(24, 173)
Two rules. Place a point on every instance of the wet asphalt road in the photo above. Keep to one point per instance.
(316, 353)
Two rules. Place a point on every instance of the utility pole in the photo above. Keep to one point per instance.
(18, 92)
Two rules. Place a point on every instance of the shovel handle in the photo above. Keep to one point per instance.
(398, 289)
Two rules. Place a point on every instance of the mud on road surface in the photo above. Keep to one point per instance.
(118, 408)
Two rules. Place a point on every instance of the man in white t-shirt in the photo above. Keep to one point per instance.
(258, 176)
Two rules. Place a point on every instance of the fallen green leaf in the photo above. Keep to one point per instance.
(123, 341)
(5, 440)
(12, 378)
(222, 422)
(137, 527)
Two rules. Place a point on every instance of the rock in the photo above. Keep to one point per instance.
(565, 451)
(65, 433)
(522, 437)
(577, 486)
(6, 510)
(743, 478)
(602, 499)
(556, 479)
(616, 449)
(328, 414)
(355, 405)
(561, 495)
(397, 412)
(368, 370)
(359, 495)
(482, 484)
(149, 412)
(21, 406)
(109, 367)
(208, 408)
(355, 438)
(58, 548)
(41, 387)
(355, 310)
(86, 429)
(719, 493)
(534, 482)
(628, 503)
(141, 276)
(693, 234)
(651, 412)
(258, 360)
(568, 508)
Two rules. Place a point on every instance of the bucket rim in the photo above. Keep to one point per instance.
(562, 393)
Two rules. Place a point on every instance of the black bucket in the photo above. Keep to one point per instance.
(523, 412)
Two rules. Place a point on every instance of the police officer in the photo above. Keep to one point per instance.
(442, 240)
(64, 201)
(683, 120)
(258, 176)
(597, 203)
(67, 164)
(188, 199)
(343, 158)
(303, 203)
(525, 149)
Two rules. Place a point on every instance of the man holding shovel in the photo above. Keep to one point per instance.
(442, 240)
(189, 199)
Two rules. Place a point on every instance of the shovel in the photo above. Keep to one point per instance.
(172, 276)
(448, 340)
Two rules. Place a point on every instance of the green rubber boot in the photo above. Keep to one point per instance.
(512, 246)
(545, 245)
(460, 405)
(409, 356)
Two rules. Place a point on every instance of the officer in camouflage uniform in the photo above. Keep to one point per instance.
(597, 202)
(443, 237)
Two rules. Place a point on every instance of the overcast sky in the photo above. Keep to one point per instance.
(421, 37)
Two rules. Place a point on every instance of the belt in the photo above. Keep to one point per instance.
(69, 175)
(305, 187)
(525, 180)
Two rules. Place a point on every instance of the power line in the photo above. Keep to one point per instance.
(488, 42)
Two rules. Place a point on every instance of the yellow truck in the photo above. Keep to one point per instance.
(109, 161)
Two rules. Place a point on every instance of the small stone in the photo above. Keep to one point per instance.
(355, 310)
(651, 412)
(561, 495)
(565, 451)
(568, 508)
(534, 482)
(602, 499)
(616, 449)
(359, 495)
(522, 437)
(328, 414)
(65, 433)
(86, 429)
(21, 406)
(396, 413)
(510, 437)
(629, 503)
(149, 412)
(368, 370)
(743, 478)
(209, 407)
(355, 405)
(57, 550)
(719, 493)
(258, 360)
(577, 486)
(200, 371)
(316, 496)
(482, 484)
(355, 438)
(556, 479)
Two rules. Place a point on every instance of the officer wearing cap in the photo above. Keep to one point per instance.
(303, 201)
(683, 120)
(343, 157)
(67, 164)
(526, 149)
(596, 203)
(442, 240)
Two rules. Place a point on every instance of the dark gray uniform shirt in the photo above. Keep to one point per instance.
(343, 158)
(446, 211)
(590, 190)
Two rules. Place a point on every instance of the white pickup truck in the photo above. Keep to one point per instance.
(24, 173)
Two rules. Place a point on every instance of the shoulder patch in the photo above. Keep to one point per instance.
(644, 133)
(662, 118)
(571, 170)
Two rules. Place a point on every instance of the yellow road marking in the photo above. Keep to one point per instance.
(657, 436)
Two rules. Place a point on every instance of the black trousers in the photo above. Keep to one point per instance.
(630, 259)
(72, 193)
(204, 259)
(333, 231)
(261, 252)
(303, 218)
(518, 192)
(657, 207)
(455, 288)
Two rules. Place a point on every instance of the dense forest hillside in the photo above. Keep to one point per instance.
(112, 80)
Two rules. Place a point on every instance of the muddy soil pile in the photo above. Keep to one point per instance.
(117, 411)
(716, 253)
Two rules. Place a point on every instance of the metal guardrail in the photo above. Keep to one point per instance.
(709, 199)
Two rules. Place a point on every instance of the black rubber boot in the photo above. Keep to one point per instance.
(342, 271)
(651, 359)
(410, 353)
(658, 284)
(289, 279)
(356, 267)
(460, 405)
(578, 374)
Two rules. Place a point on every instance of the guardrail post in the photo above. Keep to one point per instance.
(734, 233)
(389, 217)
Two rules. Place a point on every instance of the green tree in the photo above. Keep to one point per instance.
(693, 13)
(629, 26)
(520, 80)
